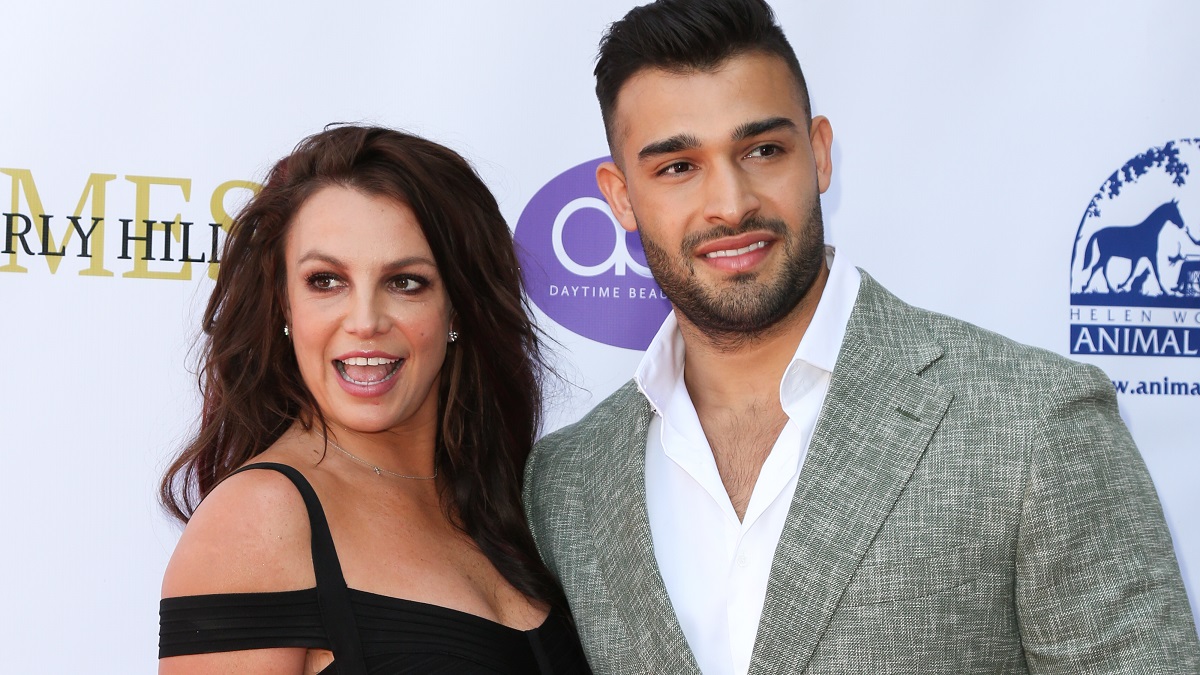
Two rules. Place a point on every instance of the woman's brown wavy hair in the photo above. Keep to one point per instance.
(489, 395)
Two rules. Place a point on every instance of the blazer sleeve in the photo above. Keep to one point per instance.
(533, 499)
(1098, 589)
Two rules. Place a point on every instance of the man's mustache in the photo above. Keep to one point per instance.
(754, 223)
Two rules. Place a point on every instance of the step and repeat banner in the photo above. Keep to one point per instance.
(1031, 167)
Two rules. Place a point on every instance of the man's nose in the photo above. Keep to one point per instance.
(729, 195)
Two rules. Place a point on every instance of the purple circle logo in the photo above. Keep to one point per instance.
(582, 269)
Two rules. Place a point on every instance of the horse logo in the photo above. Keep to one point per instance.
(1134, 243)
(1135, 289)
(1156, 262)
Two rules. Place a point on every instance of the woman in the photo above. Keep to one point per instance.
(371, 369)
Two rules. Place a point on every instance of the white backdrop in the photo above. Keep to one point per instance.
(969, 141)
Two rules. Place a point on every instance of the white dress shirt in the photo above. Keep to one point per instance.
(715, 567)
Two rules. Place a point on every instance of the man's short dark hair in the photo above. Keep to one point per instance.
(687, 35)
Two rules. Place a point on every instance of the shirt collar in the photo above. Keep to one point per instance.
(823, 340)
(661, 369)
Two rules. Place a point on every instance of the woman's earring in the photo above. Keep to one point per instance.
(453, 336)
(286, 332)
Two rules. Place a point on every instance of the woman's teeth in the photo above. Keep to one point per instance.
(369, 361)
(366, 370)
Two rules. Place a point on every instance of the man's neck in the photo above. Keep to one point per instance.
(720, 374)
(734, 387)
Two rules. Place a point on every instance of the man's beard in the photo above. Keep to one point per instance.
(746, 308)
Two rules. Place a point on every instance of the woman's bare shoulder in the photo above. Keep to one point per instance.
(250, 534)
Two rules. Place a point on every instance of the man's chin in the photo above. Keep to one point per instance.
(739, 317)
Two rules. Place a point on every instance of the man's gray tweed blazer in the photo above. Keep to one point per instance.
(968, 505)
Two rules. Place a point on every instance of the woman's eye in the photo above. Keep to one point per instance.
(408, 284)
(323, 282)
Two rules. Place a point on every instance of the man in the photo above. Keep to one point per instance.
(807, 474)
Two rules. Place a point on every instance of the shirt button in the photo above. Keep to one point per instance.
(741, 560)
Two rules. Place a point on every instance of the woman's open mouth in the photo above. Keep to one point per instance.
(367, 370)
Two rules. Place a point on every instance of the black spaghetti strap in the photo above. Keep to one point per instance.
(333, 595)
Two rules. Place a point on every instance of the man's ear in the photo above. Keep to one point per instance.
(611, 180)
(821, 137)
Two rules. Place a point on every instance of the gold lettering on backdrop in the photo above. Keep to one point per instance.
(146, 245)
(222, 218)
(90, 230)
(143, 240)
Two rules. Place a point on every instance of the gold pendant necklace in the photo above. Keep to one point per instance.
(379, 471)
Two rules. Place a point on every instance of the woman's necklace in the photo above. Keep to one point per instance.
(379, 471)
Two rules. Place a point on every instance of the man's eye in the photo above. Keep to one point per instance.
(764, 151)
(676, 168)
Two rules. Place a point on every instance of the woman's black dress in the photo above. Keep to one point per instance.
(367, 633)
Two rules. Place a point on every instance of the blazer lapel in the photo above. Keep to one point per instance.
(627, 556)
(877, 420)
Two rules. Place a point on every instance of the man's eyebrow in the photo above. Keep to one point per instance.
(675, 143)
(752, 129)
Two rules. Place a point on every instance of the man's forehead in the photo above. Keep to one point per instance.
(657, 101)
